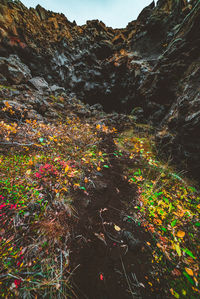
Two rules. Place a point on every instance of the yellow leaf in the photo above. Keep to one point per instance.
(98, 168)
(98, 127)
(117, 228)
(189, 271)
(67, 168)
(180, 234)
(178, 250)
(28, 172)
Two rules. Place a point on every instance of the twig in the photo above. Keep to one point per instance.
(126, 277)
(73, 272)
(108, 234)
(17, 144)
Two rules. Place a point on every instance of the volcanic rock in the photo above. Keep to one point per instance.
(151, 68)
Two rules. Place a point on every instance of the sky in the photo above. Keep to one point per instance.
(115, 13)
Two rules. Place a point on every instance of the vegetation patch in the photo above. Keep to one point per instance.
(168, 206)
(42, 167)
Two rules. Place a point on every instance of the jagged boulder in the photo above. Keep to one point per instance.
(39, 83)
(14, 70)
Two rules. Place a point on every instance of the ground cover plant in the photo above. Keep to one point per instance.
(45, 165)
(43, 168)
(168, 206)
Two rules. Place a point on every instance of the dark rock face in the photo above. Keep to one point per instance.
(150, 68)
(99, 64)
(175, 84)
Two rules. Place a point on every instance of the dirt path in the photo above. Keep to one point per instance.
(109, 247)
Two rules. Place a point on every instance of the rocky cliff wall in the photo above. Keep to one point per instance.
(151, 67)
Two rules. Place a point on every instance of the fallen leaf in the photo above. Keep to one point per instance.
(28, 172)
(117, 228)
(101, 277)
(159, 245)
(180, 234)
(178, 250)
(189, 271)
(30, 162)
(67, 168)
(176, 272)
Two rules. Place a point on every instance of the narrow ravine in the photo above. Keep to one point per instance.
(99, 154)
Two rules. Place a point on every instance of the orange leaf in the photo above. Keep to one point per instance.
(159, 245)
(180, 234)
(30, 162)
(189, 271)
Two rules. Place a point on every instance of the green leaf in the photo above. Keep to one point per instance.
(82, 188)
(197, 224)
(164, 229)
(41, 139)
(106, 166)
(166, 199)
(188, 277)
(189, 253)
(176, 295)
(173, 223)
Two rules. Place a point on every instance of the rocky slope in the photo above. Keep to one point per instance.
(150, 68)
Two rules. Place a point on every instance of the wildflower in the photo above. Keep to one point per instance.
(17, 283)
(38, 175)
